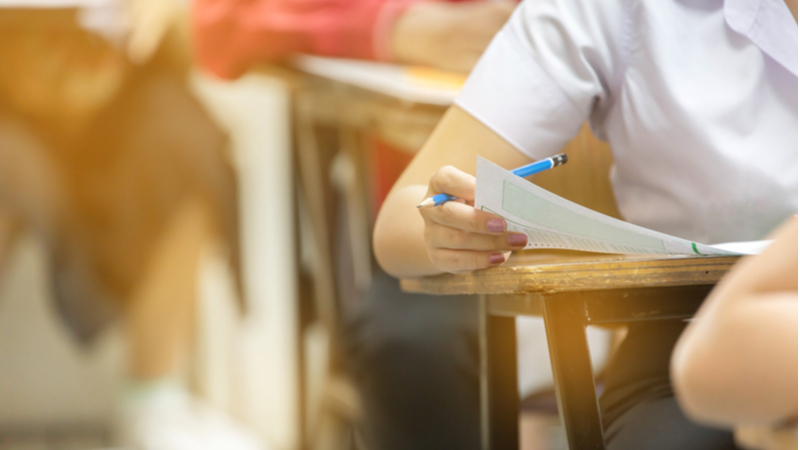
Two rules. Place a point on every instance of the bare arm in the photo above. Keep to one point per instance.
(737, 362)
(230, 36)
(454, 237)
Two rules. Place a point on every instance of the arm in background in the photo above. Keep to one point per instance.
(230, 36)
(736, 363)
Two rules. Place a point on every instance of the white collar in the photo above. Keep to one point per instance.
(769, 24)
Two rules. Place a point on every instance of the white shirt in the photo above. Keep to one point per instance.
(697, 98)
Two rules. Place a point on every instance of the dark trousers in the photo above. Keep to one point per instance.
(415, 361)
(638, 406)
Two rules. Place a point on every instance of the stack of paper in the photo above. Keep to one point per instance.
(553, 222)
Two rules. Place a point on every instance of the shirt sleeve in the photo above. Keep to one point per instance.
(232, 35)
(554, 65)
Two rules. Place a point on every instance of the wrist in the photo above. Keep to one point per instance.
(398, 238)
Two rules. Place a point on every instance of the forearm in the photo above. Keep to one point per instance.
(232, 35)
(399, 235)
(735, 370)
(737, 361)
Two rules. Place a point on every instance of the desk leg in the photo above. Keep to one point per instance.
(483, 348)
(565, 322)
(499, 392)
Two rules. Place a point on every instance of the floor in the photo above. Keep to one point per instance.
(540, 431)
(64, 437)
(54, 394)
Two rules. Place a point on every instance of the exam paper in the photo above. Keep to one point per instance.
(554, 222)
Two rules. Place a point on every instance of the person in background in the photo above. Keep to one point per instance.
(231, 36)
(735, 366)
(118, 171)
(699, 105)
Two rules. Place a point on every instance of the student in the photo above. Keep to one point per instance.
(736, 363)
(699, 104)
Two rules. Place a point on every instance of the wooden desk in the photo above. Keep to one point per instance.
(570, 290)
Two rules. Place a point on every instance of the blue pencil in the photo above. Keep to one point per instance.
(524, 171)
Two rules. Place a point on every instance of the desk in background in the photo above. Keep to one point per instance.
(356, 124)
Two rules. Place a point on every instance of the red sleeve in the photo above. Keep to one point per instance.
(232, 35)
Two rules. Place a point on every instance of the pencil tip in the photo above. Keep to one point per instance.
(426, 202)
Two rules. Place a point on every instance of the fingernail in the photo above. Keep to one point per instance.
(496, 258)
(496, 225)
(517, 239)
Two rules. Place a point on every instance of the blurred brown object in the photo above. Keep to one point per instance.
(55, 73)
(97, 154)
(9, 228)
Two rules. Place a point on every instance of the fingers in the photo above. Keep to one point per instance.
(459, 237)
(450, 180)
(464, 217)
(455, 261)
(455, 239)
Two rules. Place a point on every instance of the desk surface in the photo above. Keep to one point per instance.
(549, 271)
(411, 84)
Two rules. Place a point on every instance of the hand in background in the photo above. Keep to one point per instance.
(460, 238)
(448, 36)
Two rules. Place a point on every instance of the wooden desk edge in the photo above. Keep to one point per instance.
(576, 276)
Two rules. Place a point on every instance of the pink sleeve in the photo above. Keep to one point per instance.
(232, 35)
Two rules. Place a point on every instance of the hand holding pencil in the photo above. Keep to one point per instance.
(524, 171)
(460, 238)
